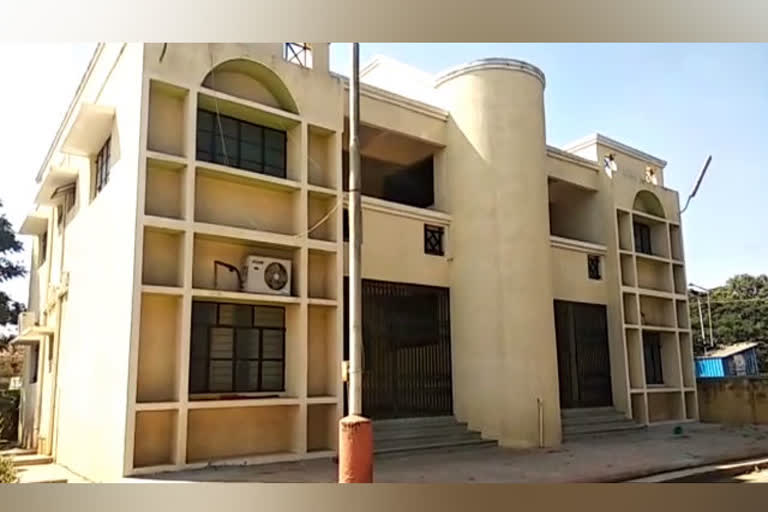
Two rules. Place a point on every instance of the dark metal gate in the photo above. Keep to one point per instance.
(406, 349)
(583, 358)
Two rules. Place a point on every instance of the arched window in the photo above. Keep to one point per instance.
(647, 202)
(252, 81)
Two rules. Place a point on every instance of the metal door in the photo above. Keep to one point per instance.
(584, 365)
(406, 350)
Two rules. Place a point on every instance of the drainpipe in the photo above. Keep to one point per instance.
(38, 399)
(57, 338)
(41, 374)
(540, 405)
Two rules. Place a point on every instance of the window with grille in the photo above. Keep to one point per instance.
(652, 354)
(34, 355)
(229, 141)
(642, 238)
(298, 53)
(593, 267)
(237, 348)
(345, 224)
(102, 166)
(68, 193)
(43, 248)
(71, 197)
(433, 240)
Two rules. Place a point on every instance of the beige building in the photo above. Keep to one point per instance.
(187, 287)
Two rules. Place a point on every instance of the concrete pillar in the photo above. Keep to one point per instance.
(503, 322)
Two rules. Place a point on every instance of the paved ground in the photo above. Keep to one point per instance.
(48, 473)
(758, 477)
(615, 457)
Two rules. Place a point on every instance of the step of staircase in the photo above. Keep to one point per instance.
(31, 460)
(595, 420)
(409, 434)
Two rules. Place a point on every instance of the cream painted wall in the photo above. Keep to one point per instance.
(393, 250)
(570, 280)
(503, 273)
(378, 112)
(318, 95)
(575, 213)
(93, 373)
(27, 402)
(501, 286)
(625, 188)
(579, 174)
(630, 165)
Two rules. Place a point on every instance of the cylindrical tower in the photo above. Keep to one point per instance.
(505, 355)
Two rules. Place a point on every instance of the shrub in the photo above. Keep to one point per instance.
(7, 471)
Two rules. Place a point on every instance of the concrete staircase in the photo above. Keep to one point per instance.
(34, 468)
(595, 420)
(407, 434)
(31, 460)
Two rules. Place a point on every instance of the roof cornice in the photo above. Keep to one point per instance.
(554, 152)
(597, 138)
(492, 63)
(386, 96)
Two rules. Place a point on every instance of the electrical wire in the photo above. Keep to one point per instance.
(216, 104)
(322, 220)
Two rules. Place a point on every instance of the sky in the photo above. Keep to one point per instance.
(680, 102)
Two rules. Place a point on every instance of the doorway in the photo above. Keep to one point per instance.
(583, 359)
(406, 349)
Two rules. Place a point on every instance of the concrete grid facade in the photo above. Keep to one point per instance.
(124, 253)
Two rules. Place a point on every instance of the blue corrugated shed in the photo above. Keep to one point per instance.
(739, 359)
(707, 368)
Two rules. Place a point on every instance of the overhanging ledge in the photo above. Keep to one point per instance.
(576, 245)
(32, 336)
(34, 225)
(89, 130)
(56, 178)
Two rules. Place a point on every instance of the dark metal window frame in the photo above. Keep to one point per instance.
(433, 240)
(235, 160)
(71, 197)
(34, 363)
(654, 375)
(404, 373)
(298, 53)
(43, 248)
(594, 264)
(642, 233)
(345, 225)
(235, 359)
(103, 162)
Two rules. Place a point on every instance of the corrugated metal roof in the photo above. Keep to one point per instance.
(708, 368)
(729, 350)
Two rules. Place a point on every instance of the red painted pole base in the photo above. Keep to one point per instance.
(355, 450)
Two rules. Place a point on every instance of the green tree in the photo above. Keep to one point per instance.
(739, 313)
(9, 269)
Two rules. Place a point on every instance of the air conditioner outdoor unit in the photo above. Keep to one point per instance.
(267, 275)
